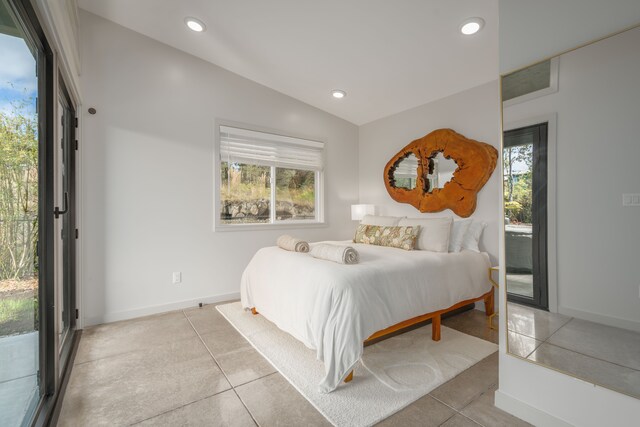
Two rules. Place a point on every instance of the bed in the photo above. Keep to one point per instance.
(334, 308)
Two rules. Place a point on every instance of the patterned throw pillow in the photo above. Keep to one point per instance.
(395, 237)
(360, 233)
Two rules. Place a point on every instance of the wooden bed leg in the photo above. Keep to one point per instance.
(254, 311)
(349, 377)
(489, 303)
(435, 328)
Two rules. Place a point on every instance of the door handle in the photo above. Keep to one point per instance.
(57, 212)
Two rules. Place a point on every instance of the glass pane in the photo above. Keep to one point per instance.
(518, 163)
(245, 193)
(295, 194)
(19, 321)
(531, 79)
(61, 224)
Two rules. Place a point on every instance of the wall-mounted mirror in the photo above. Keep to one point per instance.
(572, 221)
(405, 173)
(439, 171)
(425, 173)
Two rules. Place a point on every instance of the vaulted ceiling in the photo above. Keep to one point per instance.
(388, 56)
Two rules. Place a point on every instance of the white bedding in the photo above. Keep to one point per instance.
(332, 308)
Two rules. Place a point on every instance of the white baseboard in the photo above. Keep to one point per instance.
(527, 412)
(600, 318)
(157, 309)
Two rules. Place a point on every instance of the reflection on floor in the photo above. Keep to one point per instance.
(520, 284)
(191, 367)
(601, 354)
(17, 376)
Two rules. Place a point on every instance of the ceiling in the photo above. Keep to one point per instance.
(388, 56)
(531, 31)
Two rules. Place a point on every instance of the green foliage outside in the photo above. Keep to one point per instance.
(18, 315)
(18, 193)
(18, 220)
(517, 185)
(296, 186)
(247, 183)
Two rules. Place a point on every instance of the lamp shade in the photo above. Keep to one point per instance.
(359, 211)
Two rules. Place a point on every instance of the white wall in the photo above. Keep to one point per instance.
(60, 21)
(537, 394)
(148, 173)
(474, 113)
(598, 240)
(534, 30)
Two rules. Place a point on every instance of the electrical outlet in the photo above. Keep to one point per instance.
(177, 277)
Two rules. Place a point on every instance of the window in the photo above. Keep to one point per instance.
(267, 179)
(530, 83)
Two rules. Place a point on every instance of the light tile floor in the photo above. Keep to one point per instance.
(18, 384)
(597, 353)
(192, 368)
(520, 284)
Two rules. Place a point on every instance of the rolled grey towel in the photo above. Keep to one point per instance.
(290, 243)
(337, 253)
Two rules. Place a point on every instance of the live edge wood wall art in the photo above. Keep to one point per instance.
(475, 163)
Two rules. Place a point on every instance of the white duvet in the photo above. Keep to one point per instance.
(333, 308)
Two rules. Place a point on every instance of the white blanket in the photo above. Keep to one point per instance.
(332, 308)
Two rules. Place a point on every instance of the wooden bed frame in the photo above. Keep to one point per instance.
(435, 317)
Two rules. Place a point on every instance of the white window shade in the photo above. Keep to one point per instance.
(407, 168)
(266, 149)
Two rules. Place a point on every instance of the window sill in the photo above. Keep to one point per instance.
(259, 227)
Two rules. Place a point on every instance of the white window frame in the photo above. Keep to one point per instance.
(319, 221)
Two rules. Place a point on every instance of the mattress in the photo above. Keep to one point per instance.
(333, 308)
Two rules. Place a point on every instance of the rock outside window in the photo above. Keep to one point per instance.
(266, 179)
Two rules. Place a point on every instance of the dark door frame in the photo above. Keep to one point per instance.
(50, 386)
(69, 218)
(540, 134)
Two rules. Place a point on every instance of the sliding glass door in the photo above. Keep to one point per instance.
(20, 323)
(65, 223)
(525, 204)
(37, 283)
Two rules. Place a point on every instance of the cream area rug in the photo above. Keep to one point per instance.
(391, 374)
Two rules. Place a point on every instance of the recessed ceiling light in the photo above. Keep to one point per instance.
(338, 94)
(471, 26)
(195, 24)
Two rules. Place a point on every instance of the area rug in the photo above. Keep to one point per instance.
(391, 374)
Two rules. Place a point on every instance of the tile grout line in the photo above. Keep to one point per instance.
(473, 421)
(179, 407)
(456, 411)
(546, 341)
(591, 357)
(538, 339)
(535, 348)
(474, 400)
(18, 378)
(256, 379)
(556, 331)
(146, 348)
(220, 367)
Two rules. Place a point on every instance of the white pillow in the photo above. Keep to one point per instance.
(434, 233)
(386, 221)
(472, 237)
(458, 230)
